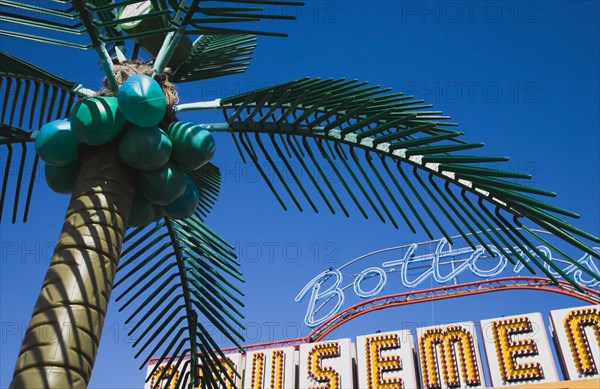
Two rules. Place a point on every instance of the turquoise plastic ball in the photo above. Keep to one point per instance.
(145, 148)
(193, 146)
(96, 120)
(162, 186)
(142, 100)
(186, 204)
(56, 144)
(61, 179)
(143, 212)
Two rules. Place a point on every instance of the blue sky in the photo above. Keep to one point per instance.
(523, 77)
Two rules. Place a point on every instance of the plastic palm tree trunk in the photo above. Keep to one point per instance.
(60, 345)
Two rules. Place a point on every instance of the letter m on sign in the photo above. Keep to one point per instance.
(449, 356)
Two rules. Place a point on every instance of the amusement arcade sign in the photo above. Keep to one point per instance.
(517, 349)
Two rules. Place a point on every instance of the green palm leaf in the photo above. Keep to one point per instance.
(215, 56)
(208, 180)
(181, 275)
(27, 103)
(207, 19)
(103, 25)
(355, 146)
(47, 24)
(12, 65)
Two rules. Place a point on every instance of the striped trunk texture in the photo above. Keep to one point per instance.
(62, 338)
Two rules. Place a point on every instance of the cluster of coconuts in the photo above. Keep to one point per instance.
(159, 156)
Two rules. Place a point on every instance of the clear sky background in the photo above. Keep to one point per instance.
(523, 77)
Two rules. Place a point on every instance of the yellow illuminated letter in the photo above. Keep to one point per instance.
(575, 322)
(378, 365)
(450, 363)
(163, 376)
(277, 369)
(229, 372)
(326, 376)
(258, 368)
(508, 350)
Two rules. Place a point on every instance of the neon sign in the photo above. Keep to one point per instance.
(441, 262)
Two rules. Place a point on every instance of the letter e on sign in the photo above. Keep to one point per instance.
(518, 351)
(385, 360)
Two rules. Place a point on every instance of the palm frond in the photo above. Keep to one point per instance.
(208, 182)
(12, 65)
(181, 275)
(345, 144)
(99, 24)
(50, 23)
(213, 13)
(27, 103)
(215, 56)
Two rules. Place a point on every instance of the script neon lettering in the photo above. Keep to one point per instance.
(317, 294)
(424, 266)
(368, 273)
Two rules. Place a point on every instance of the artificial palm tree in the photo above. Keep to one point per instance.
(390, 156)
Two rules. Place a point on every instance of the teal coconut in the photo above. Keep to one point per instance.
(142, 100)
(145, 148)
(162, 186)
(185, 205)
(56, 144)
(61, 179)
(143, 212)
(193, 146)
(96, 120)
